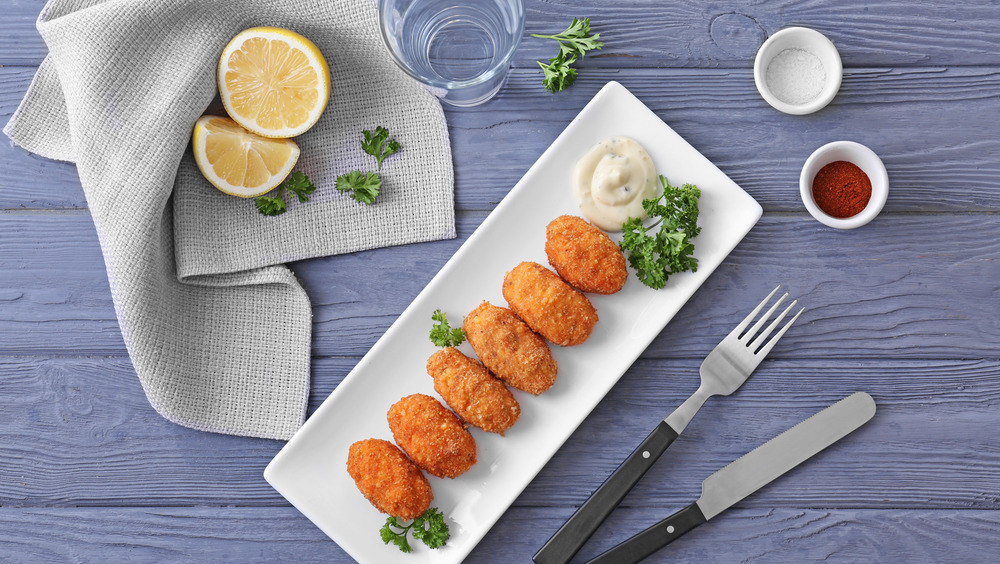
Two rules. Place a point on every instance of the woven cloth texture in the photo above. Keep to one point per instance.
(217, 328)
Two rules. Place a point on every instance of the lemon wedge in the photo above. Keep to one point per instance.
(273, 81)
(239, 162)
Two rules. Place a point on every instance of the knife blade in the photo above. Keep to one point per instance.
(748, 474)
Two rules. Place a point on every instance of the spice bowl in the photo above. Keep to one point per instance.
(858, 155)
(798, 70)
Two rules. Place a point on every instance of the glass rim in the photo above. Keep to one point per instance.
(450, 85)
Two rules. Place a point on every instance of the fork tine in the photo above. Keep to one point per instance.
(743, 324)
(760, 323)
(770, 344)
(755, 344)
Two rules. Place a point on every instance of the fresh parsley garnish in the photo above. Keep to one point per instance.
(655, 256)
(363, 186)
(429, 528)
(575, 40)
(270, 206)
(379, 145)
(298, 183)
(559, 75)
(573, 44)
(442, 334)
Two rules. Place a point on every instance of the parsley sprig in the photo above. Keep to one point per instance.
(655, 256)
(429, 528)
(298, 183)
(442, 334)
(365, 186)
(379, 145)
(574, 43)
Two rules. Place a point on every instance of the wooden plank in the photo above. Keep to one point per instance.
(79, 432)
(55, 284)
(693, 33)
(953, 166)
(928, 288)
(282, 534)
(768, 535)
(722, 115)
(27, 180)
(928, 302)
(697, 34)
(881, 463)
(20, 43)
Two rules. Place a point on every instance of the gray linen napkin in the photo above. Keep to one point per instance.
(218, 331)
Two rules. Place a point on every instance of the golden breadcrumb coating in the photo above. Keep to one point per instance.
(392, 483)
(584, 256)
(510, 349)
(475, 394)
(432, 436)
(549, 305)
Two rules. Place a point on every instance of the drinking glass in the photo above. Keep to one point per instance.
(460, 50)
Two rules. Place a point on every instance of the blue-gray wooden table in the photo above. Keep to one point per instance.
(906, 308)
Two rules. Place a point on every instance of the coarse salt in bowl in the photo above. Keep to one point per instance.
(865, 159)
(798, 70)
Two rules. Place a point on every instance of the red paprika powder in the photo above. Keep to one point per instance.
(841, 189)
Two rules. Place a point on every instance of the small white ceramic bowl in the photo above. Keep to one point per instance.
(807, 40)
(866, 160)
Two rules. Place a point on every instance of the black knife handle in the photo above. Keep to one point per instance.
(574, 533)
(653, 538)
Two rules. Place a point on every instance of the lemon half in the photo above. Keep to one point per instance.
(273, 81)
(239, 162)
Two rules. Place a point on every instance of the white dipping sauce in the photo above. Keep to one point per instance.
(612, 180)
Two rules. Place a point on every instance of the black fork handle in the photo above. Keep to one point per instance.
(654, 538)
(581, 526)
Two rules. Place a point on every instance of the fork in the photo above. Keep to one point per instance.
(728, 365)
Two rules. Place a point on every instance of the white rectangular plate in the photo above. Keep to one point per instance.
(311, 470)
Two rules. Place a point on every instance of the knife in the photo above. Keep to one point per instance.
(748, 474)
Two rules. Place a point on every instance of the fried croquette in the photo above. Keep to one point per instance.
(584, 256)
(392, 483)
(475, 394)
(432, 436)
(549, 305)
(510, 349)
